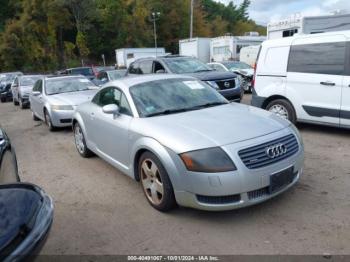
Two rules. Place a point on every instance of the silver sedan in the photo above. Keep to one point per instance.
(54, 99)
(187, 144)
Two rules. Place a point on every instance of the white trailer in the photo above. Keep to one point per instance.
(249, 54)
(308, 25)
(198, 47)
(229, 47)
(125, 56)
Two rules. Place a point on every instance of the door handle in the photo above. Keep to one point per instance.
(327, 83)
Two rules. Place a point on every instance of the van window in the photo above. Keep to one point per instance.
(325, 58)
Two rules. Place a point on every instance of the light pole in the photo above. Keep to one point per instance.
(155, 17)
(191, 20)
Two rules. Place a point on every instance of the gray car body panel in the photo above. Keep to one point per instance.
(119, 139)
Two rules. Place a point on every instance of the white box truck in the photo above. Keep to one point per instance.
(228, 47)
(308, 25)
(198, 47)
(249, 54)
(125, 56)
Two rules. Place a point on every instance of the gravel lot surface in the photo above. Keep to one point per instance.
(98, 210)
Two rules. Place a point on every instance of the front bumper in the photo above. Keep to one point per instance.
(236, 189)
(62, 118)
(233, 94)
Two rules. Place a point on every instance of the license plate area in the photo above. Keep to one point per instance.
(281, 179)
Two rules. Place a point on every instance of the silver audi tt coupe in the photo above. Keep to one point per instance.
(187, 144)
(53, 99)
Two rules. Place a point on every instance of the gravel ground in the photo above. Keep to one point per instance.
(98, 210)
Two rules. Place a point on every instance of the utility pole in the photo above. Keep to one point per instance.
(191, 20)
(103, 59)
(155, 17)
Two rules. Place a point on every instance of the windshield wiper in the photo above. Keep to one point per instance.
(208, 105)
(203, 70)
(168, 112)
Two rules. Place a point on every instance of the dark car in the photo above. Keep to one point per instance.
(226, 83)
(26, 211)
(85, 71)
(6, 80)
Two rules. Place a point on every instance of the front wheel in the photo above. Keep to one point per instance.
(48, 121)
(21, 103)
(80, 142)
(155, 182)
(3, 99)
(282, 108)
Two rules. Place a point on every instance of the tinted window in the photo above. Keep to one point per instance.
(38, 86)
(133, 69)
(327, 58)
(146, 67)
(111, 95)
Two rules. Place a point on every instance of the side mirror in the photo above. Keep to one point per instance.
(111, 109)
(160, 71)
(36, 93)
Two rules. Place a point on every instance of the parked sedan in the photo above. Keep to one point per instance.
(26, 210)
(21, 88)
(54, 99)
(6, 80)
(243, 70)
(187, 144)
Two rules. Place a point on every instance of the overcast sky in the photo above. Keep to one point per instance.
(264, 11)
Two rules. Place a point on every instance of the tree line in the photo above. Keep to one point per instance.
(47, 35)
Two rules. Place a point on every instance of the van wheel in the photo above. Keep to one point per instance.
(282, 108)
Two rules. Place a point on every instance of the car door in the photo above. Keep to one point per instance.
(315, 76)
(34, 99)
(111, 136)
(345, 98)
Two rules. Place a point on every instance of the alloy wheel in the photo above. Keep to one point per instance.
(151, 181)
(279, 110)
(79, 139)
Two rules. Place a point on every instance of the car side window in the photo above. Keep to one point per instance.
(158, 67)
(38, 86)
(146, 67)
(134, 68)
(112, 95)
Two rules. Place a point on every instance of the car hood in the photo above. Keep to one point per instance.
(210, 127)
(212, 75)
(246, 72)
(73, 98)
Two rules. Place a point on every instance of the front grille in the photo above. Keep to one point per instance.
(258, 193)
(217, 200)
(226, 84)
(256, 157)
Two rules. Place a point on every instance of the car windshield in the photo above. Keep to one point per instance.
(171, 96)
(28, 80)
(66, 85)
(116, 74)
(185, 65)
(237, 65)
(85, 71)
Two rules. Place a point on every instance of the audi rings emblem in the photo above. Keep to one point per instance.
(227, 84)
(276, 150)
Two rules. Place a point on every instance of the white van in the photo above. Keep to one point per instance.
(305, 78)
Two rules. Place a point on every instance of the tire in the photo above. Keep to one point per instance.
(48, 121)
(152, 174)
(35, 118)
(21, 105)
(3, 99)
(15, 102)
(80, 143)
(282, 108)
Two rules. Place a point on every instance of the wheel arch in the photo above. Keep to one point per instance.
(276, 97)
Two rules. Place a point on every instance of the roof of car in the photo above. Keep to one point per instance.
(129, 81)
(64, 76)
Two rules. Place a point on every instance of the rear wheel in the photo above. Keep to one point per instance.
(48, 121)
(155, 182)
(80, 142)
(282, 108)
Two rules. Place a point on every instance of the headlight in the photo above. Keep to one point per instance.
(61, 107)
(209, 160)
(213, 84)
(238, 80)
